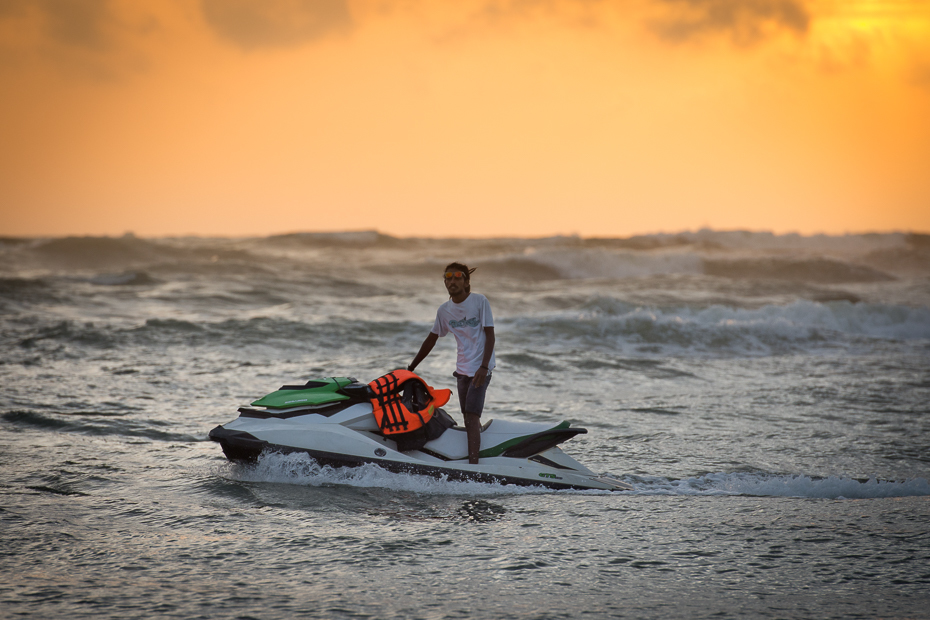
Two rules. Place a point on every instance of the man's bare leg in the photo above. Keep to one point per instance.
(473, 430)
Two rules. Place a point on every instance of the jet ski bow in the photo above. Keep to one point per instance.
(333, 421)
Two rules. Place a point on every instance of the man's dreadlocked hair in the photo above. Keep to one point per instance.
(465, 270)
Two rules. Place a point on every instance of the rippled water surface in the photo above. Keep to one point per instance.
(767, 398)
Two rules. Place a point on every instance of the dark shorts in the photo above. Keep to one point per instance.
(471, 398)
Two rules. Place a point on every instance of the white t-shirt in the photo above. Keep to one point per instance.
(466, 321)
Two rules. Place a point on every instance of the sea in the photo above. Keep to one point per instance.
(766, 395)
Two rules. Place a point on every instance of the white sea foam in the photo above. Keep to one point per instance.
(300, 469)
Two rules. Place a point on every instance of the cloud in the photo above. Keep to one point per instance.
(101, 40)
(79, 23)
(83, 24)
(746, 22)
(253, 24)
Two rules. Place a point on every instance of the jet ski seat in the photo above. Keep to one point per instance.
(438, 424)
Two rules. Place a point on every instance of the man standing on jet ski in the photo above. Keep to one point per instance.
(468, 317)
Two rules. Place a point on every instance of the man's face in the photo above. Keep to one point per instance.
(454, 281)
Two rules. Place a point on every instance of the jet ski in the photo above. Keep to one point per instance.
(333, 421)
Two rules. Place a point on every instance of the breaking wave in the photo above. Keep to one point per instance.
(619, 264)
(602, 323)
(352, 239)
(727, 254)
(601, 263)
(95, 252)
(812, 270)
(803, 325)
(706, 292)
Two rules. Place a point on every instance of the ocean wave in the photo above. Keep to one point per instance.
(598, 263)
(911, 260)
(764, 241)
(814, 270)
(281, 333)
(521, 268)
(27, 290)
(762, 485)
(122, 256)
(353, 239)
(600, 322)
(126, 278)
(96, 424)
(87, 334)
(730, 254)
(601, 263)
(325, 335)
(96, 252)
(15, 286)
(606, 321)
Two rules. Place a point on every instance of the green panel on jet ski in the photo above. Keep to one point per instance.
(502, 447)
(315, 392)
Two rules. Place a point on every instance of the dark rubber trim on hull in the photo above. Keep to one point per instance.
(240, 446)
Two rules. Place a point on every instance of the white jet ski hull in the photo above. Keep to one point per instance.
(351, 438)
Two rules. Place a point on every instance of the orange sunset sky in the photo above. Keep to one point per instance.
(464, 118)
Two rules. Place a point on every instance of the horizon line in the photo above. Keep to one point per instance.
(378, 233)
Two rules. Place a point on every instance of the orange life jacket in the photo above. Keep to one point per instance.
(398, 412)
